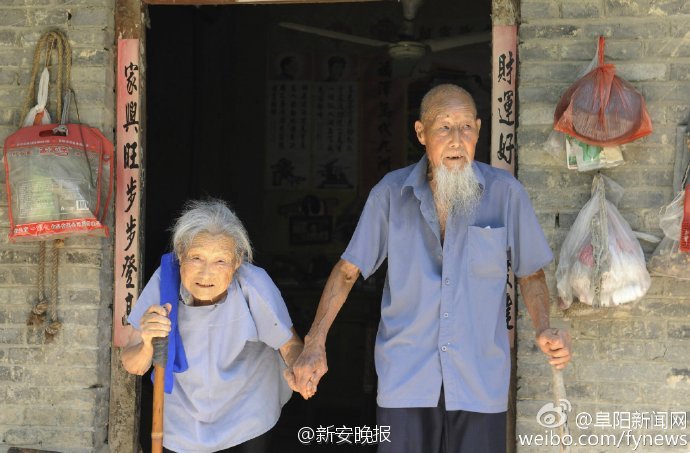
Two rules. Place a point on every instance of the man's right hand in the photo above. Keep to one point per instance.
(310, 367)
(155, 323)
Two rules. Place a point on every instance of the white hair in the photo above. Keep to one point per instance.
(456, 190)
(211, 216)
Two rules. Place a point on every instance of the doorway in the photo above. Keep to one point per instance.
(293, 129)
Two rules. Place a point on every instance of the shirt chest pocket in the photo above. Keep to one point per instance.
(488, 257)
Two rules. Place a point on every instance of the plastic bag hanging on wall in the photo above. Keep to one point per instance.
(601, 262)
(602, 109)
(57, 186)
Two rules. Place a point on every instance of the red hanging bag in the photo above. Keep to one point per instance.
(59, 177)
(602, 109)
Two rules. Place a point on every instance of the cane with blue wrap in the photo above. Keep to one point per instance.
(176, 361)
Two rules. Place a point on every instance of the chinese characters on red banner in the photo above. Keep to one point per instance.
(503, 97)
(503, 116)
(127, 198)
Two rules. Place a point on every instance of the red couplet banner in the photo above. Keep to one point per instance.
(128, 189)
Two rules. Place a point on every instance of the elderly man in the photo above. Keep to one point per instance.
(447, 225)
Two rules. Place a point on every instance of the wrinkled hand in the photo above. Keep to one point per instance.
(308, 370)
(155, 323)
(556, 344)
(289, 375)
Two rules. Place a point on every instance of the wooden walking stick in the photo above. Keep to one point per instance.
(558, 395)
(160, 358)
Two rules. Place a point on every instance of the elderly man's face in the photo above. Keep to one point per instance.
(209, 266)
(449, 132)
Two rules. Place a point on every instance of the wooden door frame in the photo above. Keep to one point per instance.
(130, 18)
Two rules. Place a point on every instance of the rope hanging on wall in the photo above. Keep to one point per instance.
(49, 41)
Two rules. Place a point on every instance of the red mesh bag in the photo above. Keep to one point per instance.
(602, 109)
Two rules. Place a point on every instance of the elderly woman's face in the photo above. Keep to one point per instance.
(208, 266)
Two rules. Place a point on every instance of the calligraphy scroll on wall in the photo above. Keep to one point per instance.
(128, 188)
(383, 123)
(312, 117)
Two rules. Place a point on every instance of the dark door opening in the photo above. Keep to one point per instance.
(293, 130)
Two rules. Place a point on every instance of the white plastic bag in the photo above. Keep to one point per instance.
(39, 110)
(601, 262)
(667, 260)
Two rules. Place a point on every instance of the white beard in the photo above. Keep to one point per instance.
(457, 190)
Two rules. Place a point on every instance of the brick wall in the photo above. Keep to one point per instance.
(55, 396)
(635, 357)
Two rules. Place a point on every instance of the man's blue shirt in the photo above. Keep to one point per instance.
(443, 312)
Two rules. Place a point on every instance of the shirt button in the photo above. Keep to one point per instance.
(444, 349)
(447, 281)
(445, 315)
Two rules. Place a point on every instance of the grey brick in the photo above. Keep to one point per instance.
(550, 72)
(92, 258)
(677, 114)
(614, 392)
(74, 356)
(680, 72)
(670, 7)
(92, 16)
(590, 9)
(48, 17)
(529, 31)
(91, 57)
(677, 350)
(77, 276)
(42, 415)
(634, 71)
(27, 356)
(10, 335)
(9, 76)
(669, 308)
(8, 38)
(22, 436)
(536, 114)
(678, 329)
(636, 154)
(11, 415)
(538, 50)
(87, 297)
(627, 30)
(15, 17)
(539, 10)
(664, 91)
(668, 47)
(631, 372)
(27, 2)
(627, 7)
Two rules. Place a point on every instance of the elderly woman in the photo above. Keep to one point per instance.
(227, 391)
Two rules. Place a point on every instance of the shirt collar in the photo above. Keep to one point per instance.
(417, 178)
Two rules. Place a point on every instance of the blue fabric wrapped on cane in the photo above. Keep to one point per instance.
(170, 294)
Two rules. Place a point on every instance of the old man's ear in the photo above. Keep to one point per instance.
(419, 130)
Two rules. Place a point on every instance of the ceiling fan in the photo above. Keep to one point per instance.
(407, 47)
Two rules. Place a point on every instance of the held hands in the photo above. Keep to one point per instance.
(308, 369)
(155, 323)
(556, 344)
